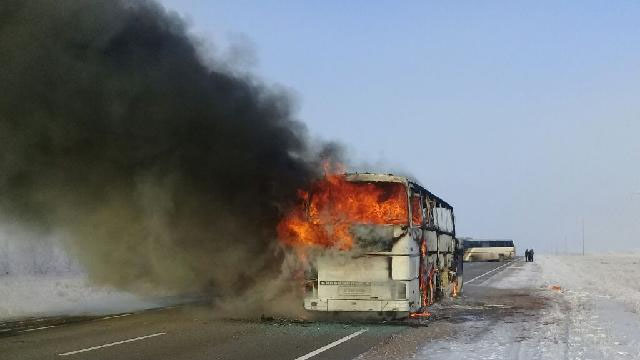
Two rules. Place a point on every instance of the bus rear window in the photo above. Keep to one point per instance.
(359, 203)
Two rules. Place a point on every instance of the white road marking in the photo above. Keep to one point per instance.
(333, 344)
(111, 344)
(38, 328)
(488, 272)
(115, 316)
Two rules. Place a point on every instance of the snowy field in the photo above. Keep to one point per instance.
(591, 311)
(24, 296)
(38, 278)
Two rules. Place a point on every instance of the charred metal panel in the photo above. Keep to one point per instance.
(445, 243)
(432, 260)
(406, 245)
(374, 238)
(443, 219)
(440, 261)
(404, 267)
(448, 261)
(432, 241)
(369, 177)
(413, 293)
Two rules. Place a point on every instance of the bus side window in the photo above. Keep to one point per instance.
(428, 211)
(416, 210)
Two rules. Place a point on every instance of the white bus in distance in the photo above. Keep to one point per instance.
(489, 250)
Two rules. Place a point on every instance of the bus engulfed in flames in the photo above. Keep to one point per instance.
(380, 243)
(334, 204)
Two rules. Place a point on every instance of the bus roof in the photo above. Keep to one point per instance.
(372, 177)
(488, 243)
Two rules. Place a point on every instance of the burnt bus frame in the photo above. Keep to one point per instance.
(427, 198)
(429, 224)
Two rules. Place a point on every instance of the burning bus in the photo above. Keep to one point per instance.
(375, 243)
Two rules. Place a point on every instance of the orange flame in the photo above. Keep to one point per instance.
(326, 212)
(424, 314)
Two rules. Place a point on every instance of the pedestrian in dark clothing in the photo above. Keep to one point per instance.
(531, 255)
(526, 255)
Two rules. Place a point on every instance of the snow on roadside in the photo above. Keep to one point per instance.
(591, 313)
(616, 276)
(39, 278)
(24, 296)
(530, 333)
(603, 294)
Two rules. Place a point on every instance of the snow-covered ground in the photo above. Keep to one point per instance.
(70, 294)
(614, 276)
(590, 309)
(38, 278)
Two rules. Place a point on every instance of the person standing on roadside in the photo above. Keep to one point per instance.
(531, 255)
(526, 255)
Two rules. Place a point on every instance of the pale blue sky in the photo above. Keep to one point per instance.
(524, 115)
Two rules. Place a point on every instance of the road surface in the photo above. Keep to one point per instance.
(193, 332)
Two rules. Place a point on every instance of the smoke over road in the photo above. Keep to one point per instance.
(160, 171)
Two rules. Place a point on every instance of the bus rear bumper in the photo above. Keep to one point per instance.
(356, 305)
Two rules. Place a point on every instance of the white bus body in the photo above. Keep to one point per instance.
(489, 250)
(403, 271)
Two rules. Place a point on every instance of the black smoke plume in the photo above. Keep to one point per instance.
(159, 170)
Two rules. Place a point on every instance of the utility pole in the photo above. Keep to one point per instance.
(583, 236)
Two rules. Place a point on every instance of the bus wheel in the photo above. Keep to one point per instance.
(501, 258)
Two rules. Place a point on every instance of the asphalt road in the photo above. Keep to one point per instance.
(476, 272)
(193, 332)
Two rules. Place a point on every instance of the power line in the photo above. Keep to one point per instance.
(582, 236)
